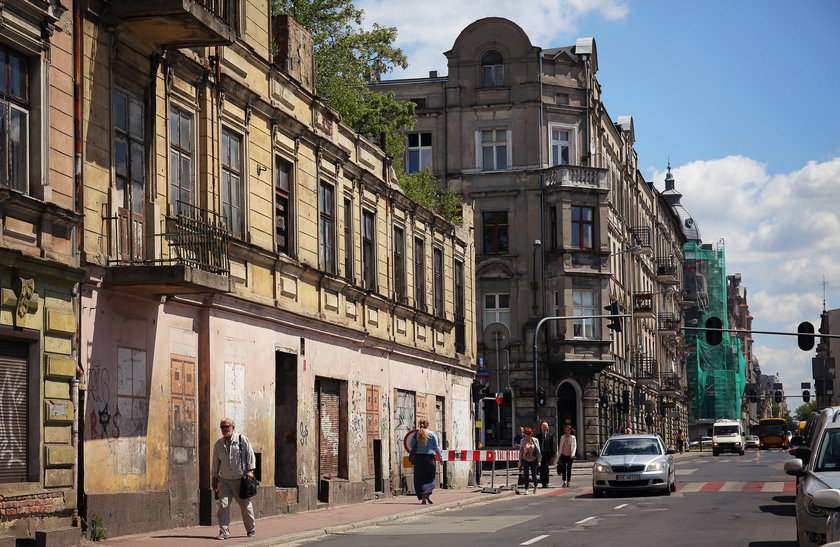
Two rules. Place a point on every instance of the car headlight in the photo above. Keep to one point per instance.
(601, 468)
(812, 509)
(656, 466)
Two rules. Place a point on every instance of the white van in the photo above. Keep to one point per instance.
(727, 436)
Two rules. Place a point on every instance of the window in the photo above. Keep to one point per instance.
(326, 227)
(181, 152)
(130, 170)
(495, 228)
(583, 305)
(460, 307)
(496, 309)
(232, 181)
(418, 152)
(493, 149)
(15, 420)
(419, 273)
(369, 249)
(492, 69)
(583, 225)
(14, 120)
(348, 238)
(399, 264)
(561, 146)
(437, 286)
(283, 200)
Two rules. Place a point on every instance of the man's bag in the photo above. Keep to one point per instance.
(248, 488)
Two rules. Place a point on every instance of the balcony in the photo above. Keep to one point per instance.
(195, 248)
(671, 384)
(180, 23)
(667, 324)
(643, 305)
(666, 270)
(644, 368)
(573, 176)
(641, 237)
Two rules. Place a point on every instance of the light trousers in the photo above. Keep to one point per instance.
(229, 488)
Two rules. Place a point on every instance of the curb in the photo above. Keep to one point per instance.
(378, 520)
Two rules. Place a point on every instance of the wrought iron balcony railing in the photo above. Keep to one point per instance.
(666, 269)
(667, 322)
(180, 23)
(671, 382)
(645, 368)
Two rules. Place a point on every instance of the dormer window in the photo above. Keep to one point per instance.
(492, 69)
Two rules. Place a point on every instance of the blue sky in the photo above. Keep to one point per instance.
(742, 96)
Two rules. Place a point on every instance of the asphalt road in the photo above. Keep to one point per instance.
(728, 500)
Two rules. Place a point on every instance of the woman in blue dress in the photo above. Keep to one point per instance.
(426, 445)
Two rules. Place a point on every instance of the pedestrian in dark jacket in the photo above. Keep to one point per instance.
(548, 446)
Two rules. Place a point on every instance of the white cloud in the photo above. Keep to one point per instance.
(425, 34)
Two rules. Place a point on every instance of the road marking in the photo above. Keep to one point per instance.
(534, 540)
(732, 486)
(774, 486)
(587, 519)
(622, 506)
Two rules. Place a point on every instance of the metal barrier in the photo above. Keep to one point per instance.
(481, 456)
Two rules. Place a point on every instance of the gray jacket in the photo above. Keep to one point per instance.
(235, 462)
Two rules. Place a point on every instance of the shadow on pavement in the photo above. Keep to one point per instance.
(784, 499)
(779, 510)
(772, 544)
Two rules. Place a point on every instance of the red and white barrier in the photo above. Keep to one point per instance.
(480, 455)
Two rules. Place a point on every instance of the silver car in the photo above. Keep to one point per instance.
(634, 462)
(817, 468)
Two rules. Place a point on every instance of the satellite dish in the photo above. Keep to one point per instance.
(496, 336)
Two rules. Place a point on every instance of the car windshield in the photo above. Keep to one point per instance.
(726, 430)
(829, 457)
(626, 447)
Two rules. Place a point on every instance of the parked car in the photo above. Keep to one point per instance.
(634, 462)
(700, 442)
(817, 467)
(751, 441)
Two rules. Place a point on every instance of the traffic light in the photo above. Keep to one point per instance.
(541, 396)
(777, 396)
(615, 320)
(500, 398)
(806, 396)
(603, 402)
(714, 337)
(805, 339)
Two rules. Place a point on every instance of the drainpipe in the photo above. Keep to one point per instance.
(79, 208)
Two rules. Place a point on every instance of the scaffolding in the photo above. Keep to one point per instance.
(716, 374)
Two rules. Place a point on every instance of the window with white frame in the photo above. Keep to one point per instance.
(584, 304)
(561, 145)
(497, 309)
(494, 149)
(14, 120)
(232, 181)
(418, 152)
(181, 153)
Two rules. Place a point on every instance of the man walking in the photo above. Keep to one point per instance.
(233, 459)
(549, 450)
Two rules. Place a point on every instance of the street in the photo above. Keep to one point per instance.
(728, 500)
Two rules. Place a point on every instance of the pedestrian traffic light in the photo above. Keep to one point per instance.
(541, 396)
(615, 316)
(805, 339)
(777, 396)
(603, 401)
(806, 396)
(500, 398)
(714, 337)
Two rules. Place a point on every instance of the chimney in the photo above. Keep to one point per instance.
(293, 50)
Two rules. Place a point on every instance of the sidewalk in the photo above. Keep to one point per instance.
(291, 527)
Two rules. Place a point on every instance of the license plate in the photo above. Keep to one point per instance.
(628, 477)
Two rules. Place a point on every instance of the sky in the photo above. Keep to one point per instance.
(743, 98)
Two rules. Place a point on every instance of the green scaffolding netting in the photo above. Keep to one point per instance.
(716, 374)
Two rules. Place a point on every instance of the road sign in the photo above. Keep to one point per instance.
(482, 373)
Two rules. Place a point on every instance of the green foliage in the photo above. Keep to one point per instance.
(804, 411)
(347, 59)
(97, 529)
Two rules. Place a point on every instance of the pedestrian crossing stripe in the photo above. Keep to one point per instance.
(717, 486)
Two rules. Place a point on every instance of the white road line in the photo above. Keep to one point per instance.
(587, 519)
(622, 506)
(534, 540)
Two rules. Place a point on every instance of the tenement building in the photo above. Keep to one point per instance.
(565, 226)
(224, 247)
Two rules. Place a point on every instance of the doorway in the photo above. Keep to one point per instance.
(567, 409)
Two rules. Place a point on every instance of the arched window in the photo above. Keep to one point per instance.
(492, 69)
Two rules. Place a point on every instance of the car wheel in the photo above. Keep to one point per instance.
(741, 453)
(598, 493)
(673, 486)
(715, 453)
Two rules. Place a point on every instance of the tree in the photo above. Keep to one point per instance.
(805, 410)
(347, 59)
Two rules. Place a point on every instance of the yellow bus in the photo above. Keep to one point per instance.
(772, 433)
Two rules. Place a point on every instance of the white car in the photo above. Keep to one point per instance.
(634, 462)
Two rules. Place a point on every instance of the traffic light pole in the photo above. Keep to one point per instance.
(536, 358)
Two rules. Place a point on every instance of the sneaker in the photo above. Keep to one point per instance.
(223, 535)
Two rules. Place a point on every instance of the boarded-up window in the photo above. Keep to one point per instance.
(329, 427)
(14, 413)
(371, 424)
